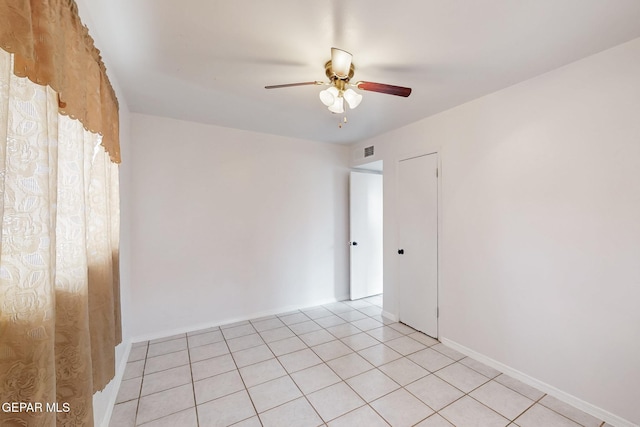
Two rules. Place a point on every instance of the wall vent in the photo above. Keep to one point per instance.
(368, 151)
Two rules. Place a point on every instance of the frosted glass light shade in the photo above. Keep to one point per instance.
(340, 62)
(338, 106)
(353, 98)
(328, 96)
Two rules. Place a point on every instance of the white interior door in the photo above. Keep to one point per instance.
(418, 243)
(366, 234)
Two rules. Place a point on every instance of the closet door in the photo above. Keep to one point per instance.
(418, 243)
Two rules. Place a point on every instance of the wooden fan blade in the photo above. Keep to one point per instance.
(384, 88)
(292, 84)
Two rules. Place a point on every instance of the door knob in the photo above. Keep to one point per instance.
(401, 251)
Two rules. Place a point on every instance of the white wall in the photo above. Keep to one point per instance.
(228, 224)
(540, 226)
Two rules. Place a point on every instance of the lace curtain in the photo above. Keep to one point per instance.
(59, 297)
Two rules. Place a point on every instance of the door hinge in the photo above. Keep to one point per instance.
(438, 312)
(437, 172)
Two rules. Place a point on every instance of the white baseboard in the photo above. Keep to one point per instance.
(116, 381)
(389, 316)
(590, 409)
(226, 321)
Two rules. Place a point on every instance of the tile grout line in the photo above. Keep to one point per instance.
(193, 383)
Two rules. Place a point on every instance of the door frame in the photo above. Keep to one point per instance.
(409, 156)
(379, 173)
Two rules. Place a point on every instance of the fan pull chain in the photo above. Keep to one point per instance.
(344, 121)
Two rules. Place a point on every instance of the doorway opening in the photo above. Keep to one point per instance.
(366, 228)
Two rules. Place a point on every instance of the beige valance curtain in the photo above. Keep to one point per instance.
(53, 48)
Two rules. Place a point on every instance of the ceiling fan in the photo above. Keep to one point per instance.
(340, 71)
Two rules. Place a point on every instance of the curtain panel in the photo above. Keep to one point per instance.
(59, 286)
(53, 48)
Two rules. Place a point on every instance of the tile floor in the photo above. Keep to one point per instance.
(336, 365)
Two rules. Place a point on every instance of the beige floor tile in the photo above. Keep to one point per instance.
(274, 393)
(215, 387)
(431, 360)
(467, 412)
(252, 355)
(350, 365)
(238, 331)
(294, 318)
(249, 422)
(297, 413)
(329, 321)
(360, 341)
(299, 360)
(186, 418)
(367, 324)
(570, 412)
(371, 311)
(166, 361)
(208, 351)
(401, 409)
(379, 354)
(352, 316)
(265, 325)
(384, 334)
(315, 378)
(361, 417)
(316, 337)
(164, 380)
(423, 339)
(539, 415)
(158, 405)
(334, 401)
(462, 377)
(276, 334)
(331, 350)
(167, 347)
(167, 338)
(262, 372)
(402, 328)
(203, 331)
(372, 384)
(211, 367)
(344, 330)
(129, 390)
(405, 345)
(503, 400)
(244, 342)
(316, 312)
(403, 371)
(124, 414)
(226, 410)
(305, 327)
(137, 353)
(203, 339)
(435, 420)
(287, 345)
(522, 388)
(434, 392)
(485, 370)
(448, 351)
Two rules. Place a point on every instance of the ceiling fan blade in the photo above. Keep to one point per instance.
(293, 84)
(384, 88)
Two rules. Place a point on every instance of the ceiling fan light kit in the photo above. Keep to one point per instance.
(340, 71)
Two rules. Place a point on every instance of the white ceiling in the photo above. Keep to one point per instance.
(209, 60)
